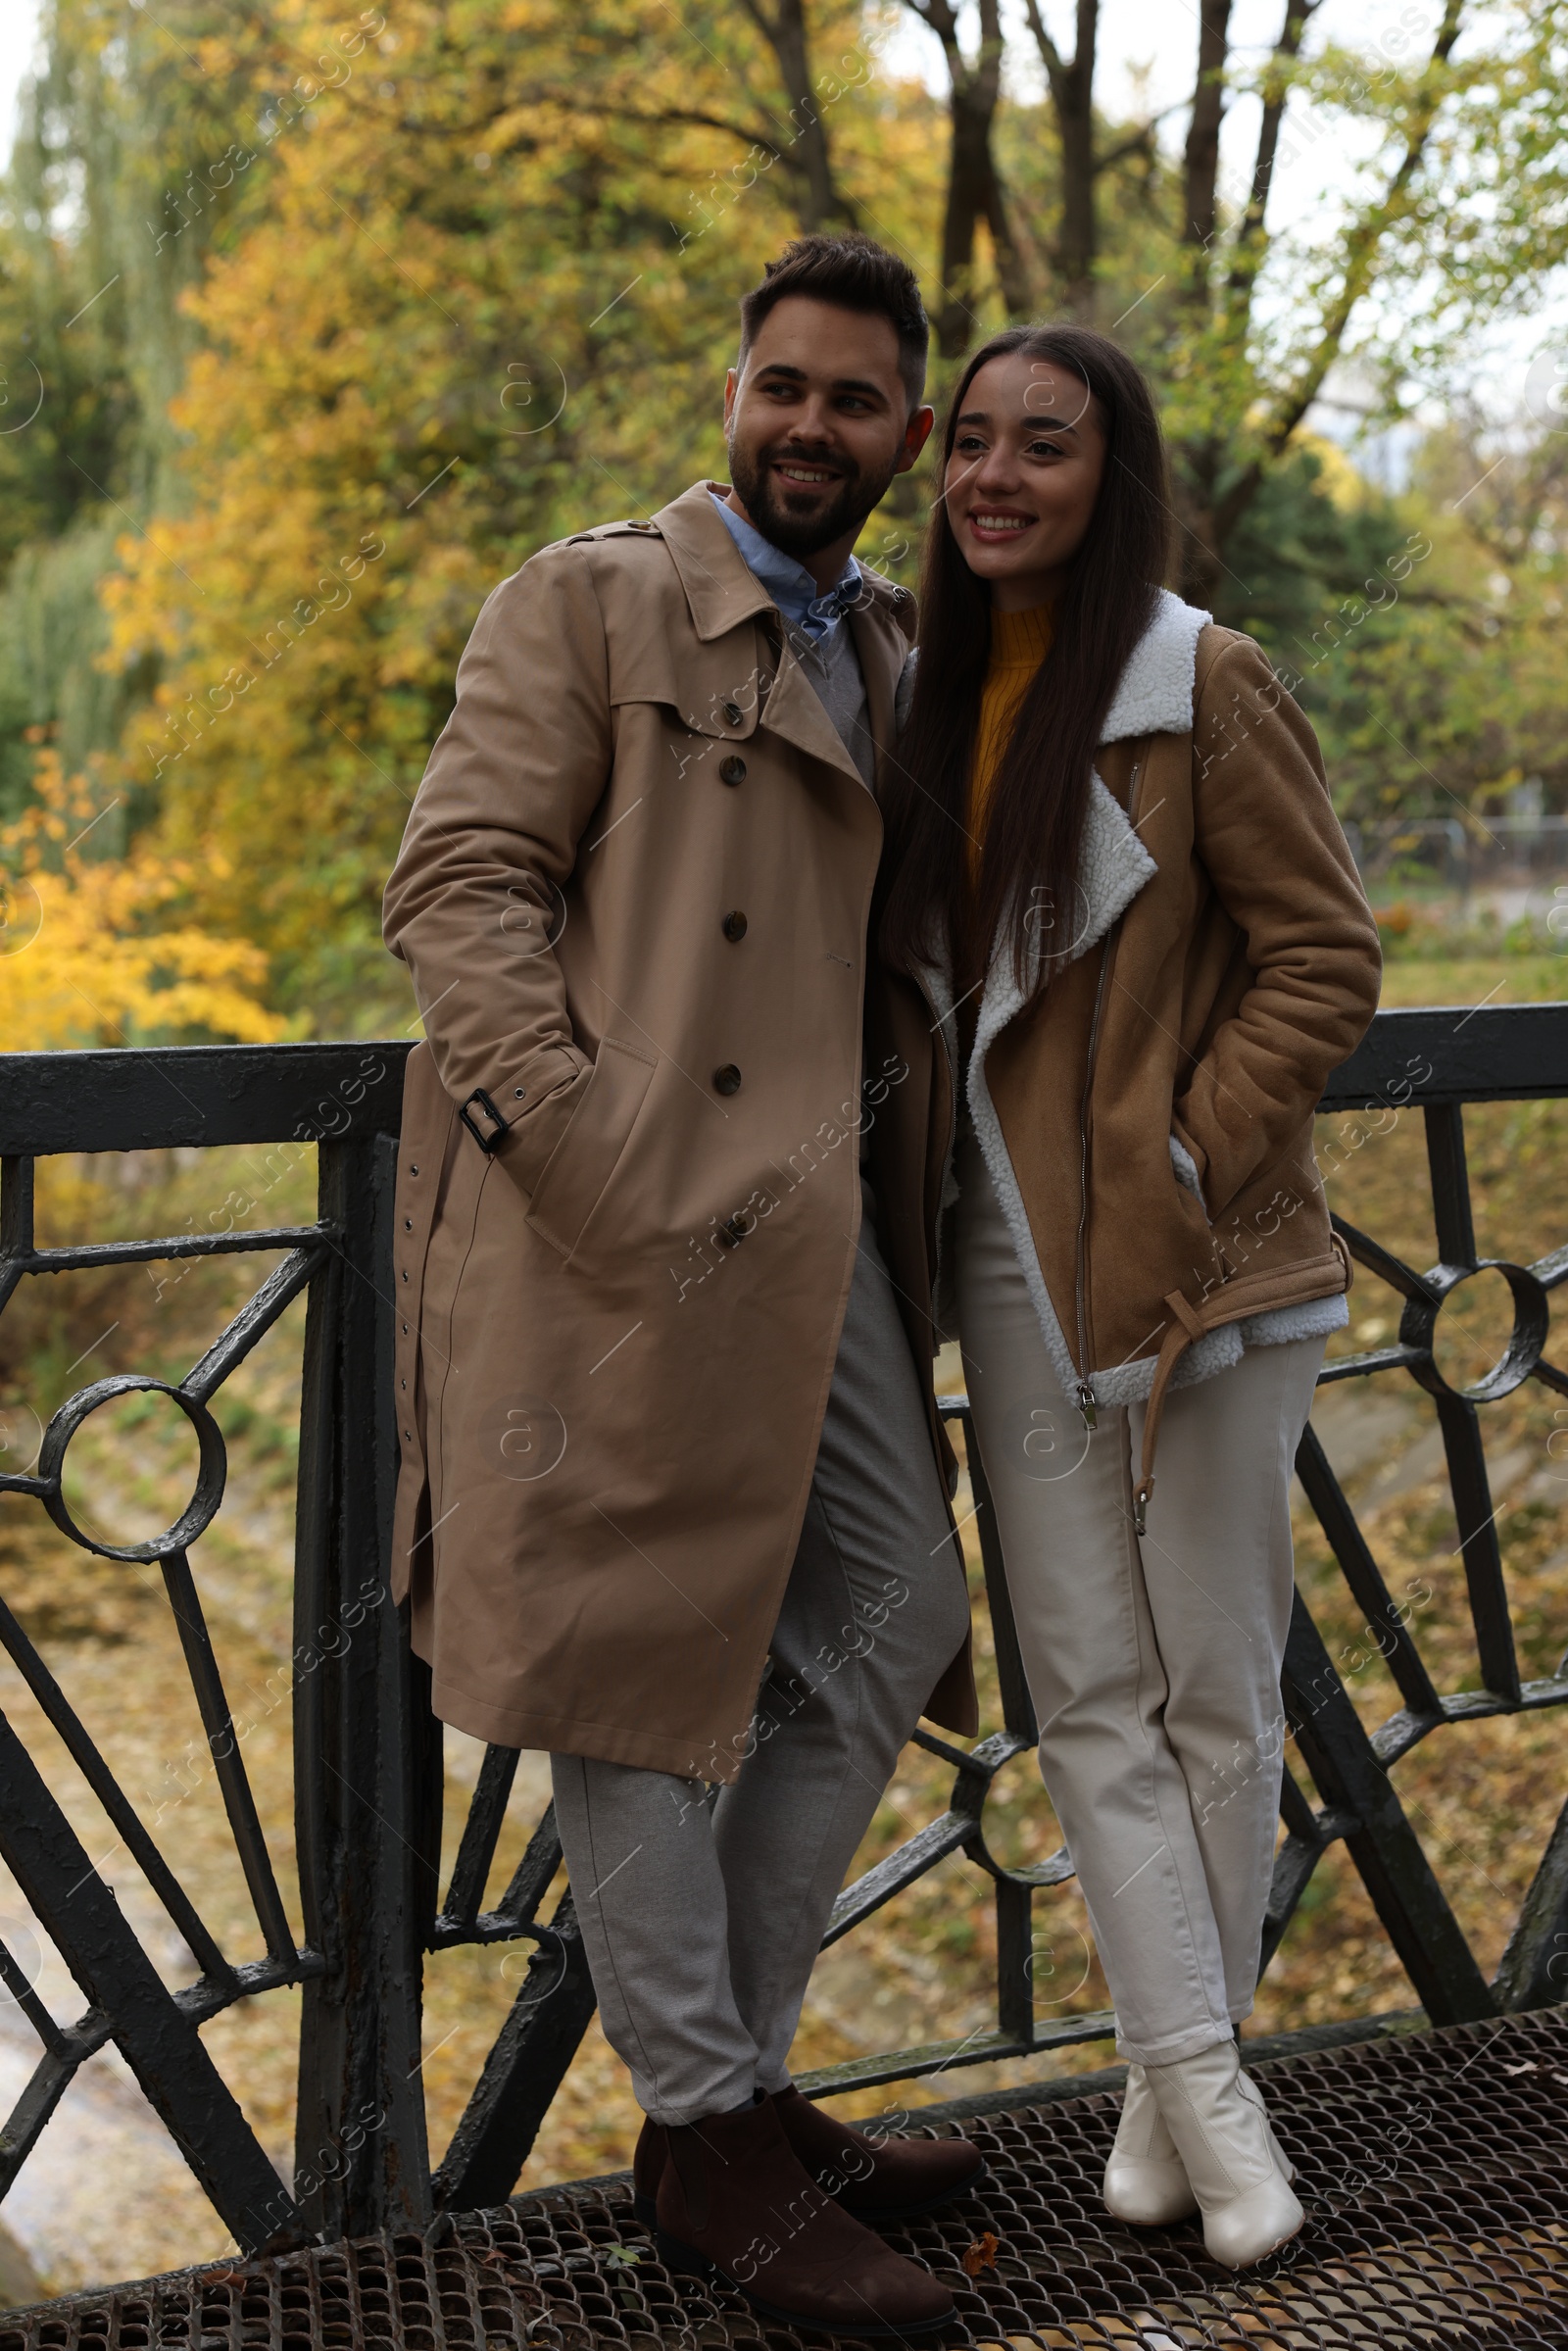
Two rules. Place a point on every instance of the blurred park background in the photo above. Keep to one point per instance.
(313, 325)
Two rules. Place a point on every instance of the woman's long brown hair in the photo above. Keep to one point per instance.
(1029, 868)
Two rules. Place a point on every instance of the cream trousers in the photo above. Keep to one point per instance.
(1154, 1662)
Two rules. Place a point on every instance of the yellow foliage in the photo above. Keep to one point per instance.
(84, 956)
(484, 297)
(1339, 478)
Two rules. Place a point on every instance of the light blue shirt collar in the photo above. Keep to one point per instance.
(789, 583)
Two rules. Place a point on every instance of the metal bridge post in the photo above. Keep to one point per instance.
(364, 1743)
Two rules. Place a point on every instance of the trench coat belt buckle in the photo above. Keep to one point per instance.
(486, 1141)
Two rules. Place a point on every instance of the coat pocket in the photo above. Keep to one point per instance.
(573, 1177)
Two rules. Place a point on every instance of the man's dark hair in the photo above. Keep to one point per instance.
(854, 273)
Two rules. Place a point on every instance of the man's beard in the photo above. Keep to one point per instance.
(767, 499)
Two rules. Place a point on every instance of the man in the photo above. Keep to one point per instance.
(671, 1505)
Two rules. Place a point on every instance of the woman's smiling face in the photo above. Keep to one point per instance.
(1027, 460)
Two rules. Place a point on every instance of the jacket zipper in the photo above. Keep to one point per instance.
(1087, 1402)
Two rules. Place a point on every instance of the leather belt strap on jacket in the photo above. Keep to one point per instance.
(1231, 1303)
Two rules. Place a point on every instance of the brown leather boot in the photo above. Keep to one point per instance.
(735, 2199)
(878, 2180)
(646, 2170)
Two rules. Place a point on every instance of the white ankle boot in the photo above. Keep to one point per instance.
(1216, 2119)
(1146, 2182)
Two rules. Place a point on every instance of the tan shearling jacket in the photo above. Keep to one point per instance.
(1148, 1123)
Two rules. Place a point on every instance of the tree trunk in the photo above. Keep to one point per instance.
(969, 176)
(975, 192)
(1202, 140)
(820, 201)
(1079, 246)
(1248, 244)
(1013, 272)
(1199, 562)
(1072, 98)
(1210, 517)
(1361, 245)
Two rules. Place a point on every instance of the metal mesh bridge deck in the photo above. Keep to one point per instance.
(1431, 2166)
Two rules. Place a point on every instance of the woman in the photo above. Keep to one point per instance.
(1116, 869)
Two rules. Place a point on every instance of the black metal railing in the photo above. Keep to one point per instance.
(367, 1751)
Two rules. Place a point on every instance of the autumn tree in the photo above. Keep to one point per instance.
(1458, 216)
(488, 301)
(122, 180)
(340, 318)
(974, 191)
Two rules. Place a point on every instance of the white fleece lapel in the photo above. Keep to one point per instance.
(1112, 867)
(1002, 1000)
(1154, 697)
(1156, 694)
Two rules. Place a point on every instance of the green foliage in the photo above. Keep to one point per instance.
(1299, 551)
(102, 232)
(53, 632)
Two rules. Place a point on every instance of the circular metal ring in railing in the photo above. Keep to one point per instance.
(1051, 1985)
(1532, 1322)
(199, 1511)
(970, 1798)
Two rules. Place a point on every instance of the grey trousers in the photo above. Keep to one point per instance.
(703, 1916)
(1154, 1662)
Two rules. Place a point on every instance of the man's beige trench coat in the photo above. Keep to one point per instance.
(633, 895)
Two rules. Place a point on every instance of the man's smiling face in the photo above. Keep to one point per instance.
(817, 419)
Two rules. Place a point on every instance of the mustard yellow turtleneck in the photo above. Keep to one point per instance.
(1019, 643)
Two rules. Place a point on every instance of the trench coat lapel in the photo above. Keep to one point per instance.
(721, 588)
(722, 591)
(794, 710)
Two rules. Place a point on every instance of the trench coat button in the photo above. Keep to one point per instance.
(402, 1383)
(732, 712)
(405, 1274)
(735, 926)
(727, 1080)
(732, 770)
(404, 1330)
(408, 1224)
(412, 1170)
